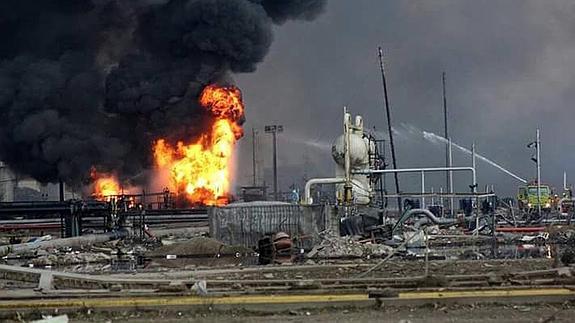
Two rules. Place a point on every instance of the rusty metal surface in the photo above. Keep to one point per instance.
(246, 223)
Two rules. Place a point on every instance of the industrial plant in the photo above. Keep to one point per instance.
(140, 182)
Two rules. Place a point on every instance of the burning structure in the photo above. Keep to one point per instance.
(93, 91)
(202, 169)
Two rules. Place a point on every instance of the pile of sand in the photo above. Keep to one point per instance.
(199, 246)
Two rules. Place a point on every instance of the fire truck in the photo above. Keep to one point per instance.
(527, 197)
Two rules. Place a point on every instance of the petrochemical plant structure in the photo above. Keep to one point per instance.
(359, 170)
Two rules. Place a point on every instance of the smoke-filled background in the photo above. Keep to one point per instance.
(510, 68)
(92, 83)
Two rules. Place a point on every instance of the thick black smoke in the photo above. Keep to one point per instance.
(91, 83)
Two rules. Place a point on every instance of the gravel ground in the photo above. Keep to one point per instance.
(426, 313)
(406, 269)
(350, 269)
(7, 285)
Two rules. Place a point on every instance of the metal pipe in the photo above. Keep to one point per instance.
(85, 240)
(426, 213)
(442, 200)
(473, 163)
(417, 170)
(347, 190)
(422, 190)
(414, 170)
(444, 195)
(316, 181)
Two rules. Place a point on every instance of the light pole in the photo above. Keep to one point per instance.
(448, 157)
(537, 160)
(390, 132)
(274, 129)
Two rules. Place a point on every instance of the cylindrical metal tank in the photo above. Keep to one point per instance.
(358, 151)
(358, 159)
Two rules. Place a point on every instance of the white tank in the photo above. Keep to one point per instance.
(359, 159)
(358, 151)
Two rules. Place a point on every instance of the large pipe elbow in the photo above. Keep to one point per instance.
(317, 181)
(430, 216)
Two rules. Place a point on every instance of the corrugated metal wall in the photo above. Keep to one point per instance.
(246, 223)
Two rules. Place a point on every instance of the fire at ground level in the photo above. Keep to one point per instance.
(309, 259)
(198, 168)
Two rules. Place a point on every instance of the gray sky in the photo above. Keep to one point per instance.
(510, 68)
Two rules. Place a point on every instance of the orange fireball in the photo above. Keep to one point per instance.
(105, 185)
(201, 169)
(223, 102)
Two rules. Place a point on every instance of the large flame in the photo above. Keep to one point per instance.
(105, 185)
(201, 169)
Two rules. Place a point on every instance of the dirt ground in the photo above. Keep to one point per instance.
(350, 269)
(407, 269)
(6, 285)
(427, 313)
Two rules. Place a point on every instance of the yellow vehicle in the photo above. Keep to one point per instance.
(527, 197)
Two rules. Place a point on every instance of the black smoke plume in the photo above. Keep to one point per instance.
(92, 83)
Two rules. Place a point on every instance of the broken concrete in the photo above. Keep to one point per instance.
(347, 247)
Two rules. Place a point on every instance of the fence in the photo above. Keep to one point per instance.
(246, 223)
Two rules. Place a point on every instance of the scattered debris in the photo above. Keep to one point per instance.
(275, 248)
(53, 319)
(347, 247)
(539, 238)
(39, 239)
(70, 258)
(415, 239)
(115, 288)
(200, 288)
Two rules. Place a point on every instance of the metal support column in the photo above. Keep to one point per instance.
(422, 190)
(274, 129)
(538, 148)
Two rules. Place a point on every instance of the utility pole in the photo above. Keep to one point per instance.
(388, 114)
(537, 160)
(450, 184)
(446, 132)
(475, 203)
(274, 129)
(538, 149)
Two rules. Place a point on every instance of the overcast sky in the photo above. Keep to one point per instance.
(510, 68)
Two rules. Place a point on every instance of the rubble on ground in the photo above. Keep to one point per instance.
(71, 258)
(564, 235)
(332, 246)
